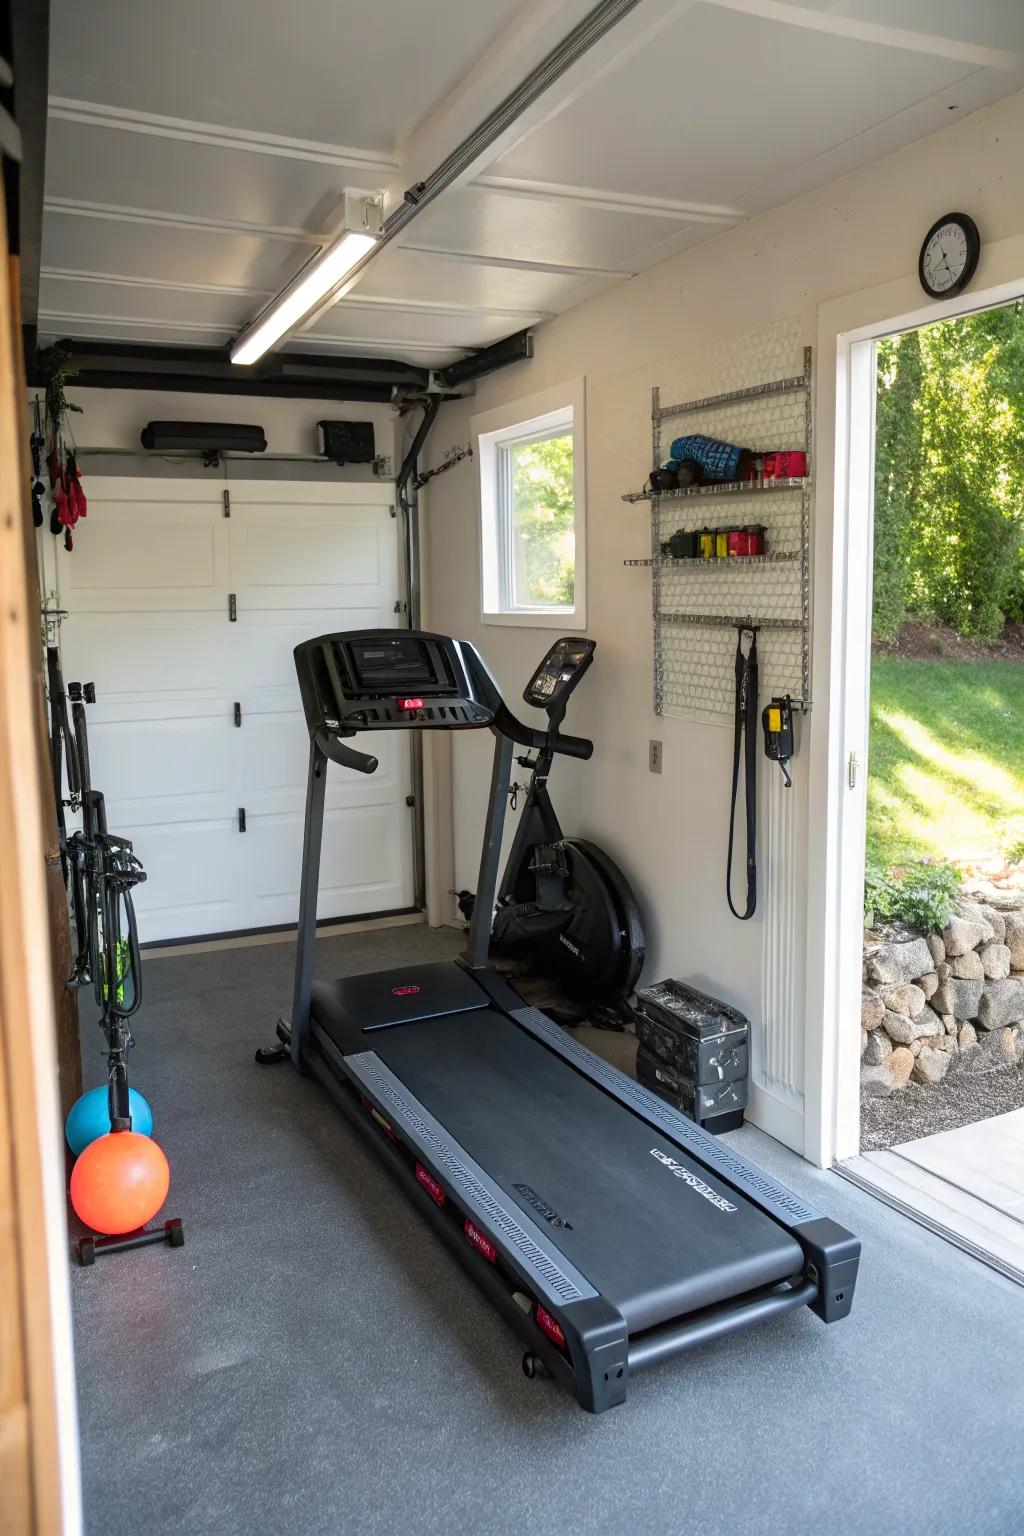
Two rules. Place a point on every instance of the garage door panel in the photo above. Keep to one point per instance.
(370, 841)
(285, 557)
(144, 549)
(360, 866)
(282, 552)
(146, 658)
(274, 759)
(157, 770)
(195, 874)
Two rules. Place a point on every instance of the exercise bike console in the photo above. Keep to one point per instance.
(556, 677)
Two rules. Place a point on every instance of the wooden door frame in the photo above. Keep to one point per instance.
(39, 1458)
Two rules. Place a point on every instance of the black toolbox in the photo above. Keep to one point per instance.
(694, 1051)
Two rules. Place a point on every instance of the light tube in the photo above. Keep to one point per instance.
(316, 280)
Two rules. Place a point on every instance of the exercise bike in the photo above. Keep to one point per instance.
(565, 910)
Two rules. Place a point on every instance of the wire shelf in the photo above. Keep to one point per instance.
(752, 392)
(695, 609)
(697, 562)
(727, 621)
(723, 488)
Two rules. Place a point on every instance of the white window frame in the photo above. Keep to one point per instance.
(552, 411)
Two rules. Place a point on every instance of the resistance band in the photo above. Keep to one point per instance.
(745, 737)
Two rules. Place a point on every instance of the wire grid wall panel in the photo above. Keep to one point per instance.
(766, 377)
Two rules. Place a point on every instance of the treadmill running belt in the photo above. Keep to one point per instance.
(656, 1233)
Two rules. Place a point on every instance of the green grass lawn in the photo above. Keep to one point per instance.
(946, 773)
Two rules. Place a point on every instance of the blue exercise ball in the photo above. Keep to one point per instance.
(89, 1118)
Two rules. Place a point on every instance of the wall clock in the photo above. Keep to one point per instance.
(949, 255)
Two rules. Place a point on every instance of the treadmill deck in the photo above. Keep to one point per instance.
(653, 1231)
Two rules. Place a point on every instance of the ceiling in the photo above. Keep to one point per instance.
(197, 153)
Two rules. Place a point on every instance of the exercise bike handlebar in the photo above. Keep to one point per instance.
(540, 741)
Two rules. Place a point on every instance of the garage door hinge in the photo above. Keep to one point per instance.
(241, 818)
(232, 608)
(227, 503)
(401, 607)
(410, 801)
(238, 713)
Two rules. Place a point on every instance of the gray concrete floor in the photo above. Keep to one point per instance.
(314, 1361)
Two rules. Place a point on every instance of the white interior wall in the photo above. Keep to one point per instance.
(859, 232)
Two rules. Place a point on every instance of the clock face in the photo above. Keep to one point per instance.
(949, 255)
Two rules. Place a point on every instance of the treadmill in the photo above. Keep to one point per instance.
(610, 1231)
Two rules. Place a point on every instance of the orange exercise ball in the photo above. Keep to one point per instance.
(119, 1182)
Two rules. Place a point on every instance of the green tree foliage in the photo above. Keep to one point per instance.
(949, 475)
(544, 530)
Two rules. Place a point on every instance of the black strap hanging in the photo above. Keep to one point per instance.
(745, 736)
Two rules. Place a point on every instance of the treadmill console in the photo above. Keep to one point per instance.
(559, 672)
(371, 680)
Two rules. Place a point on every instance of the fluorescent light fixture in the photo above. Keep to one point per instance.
(317, 279)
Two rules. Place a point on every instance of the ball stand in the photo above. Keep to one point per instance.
(89, 1249)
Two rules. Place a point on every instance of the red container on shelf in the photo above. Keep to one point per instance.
(755, 539)
(736, 541)
(788, 464)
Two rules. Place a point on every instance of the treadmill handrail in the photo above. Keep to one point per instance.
(332, 746)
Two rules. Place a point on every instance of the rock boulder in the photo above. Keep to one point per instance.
(1001, 1004)
(963, 934)
(932, 1062)
(995, 961)
(902, 1030)
(891, 1074)
(968, 967)
(872, 1010)
(904, 960)
(905, 998)
(960, 998)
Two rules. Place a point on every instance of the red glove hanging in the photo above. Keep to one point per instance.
(76, 493)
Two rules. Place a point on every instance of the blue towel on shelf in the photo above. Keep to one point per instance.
(718, 460)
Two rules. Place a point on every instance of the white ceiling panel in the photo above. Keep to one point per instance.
(488, 223)
(726, 102)
(76, 296)
(392, 323)
(93, 163)
(198, 153)
(993, 24)
(155, 251)
(435, 278)
(349, 72)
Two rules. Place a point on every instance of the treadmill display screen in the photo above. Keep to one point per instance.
(559, 672)
(392, 666)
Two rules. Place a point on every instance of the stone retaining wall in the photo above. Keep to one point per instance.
(948, 1002)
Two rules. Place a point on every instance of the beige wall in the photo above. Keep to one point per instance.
(860, 232)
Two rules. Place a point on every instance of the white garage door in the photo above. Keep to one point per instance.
(149, 591)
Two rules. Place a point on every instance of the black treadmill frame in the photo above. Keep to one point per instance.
(599, 1351)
